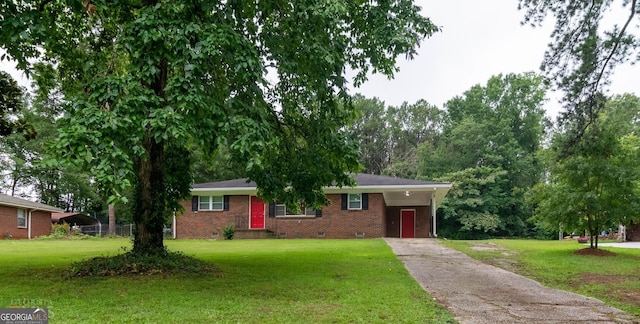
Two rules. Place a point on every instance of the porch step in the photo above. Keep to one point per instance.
(254, 234)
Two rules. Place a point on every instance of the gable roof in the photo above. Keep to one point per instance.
(6, 200)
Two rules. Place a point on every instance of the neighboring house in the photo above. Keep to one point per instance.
(24, 219)
(378, 206)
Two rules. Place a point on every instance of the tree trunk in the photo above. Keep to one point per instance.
(112, 220)
(148, 215)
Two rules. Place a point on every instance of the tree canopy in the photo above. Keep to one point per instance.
(596, 188)
(143, 81)
(11, 104)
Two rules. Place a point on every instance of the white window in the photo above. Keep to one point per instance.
(281, 210)
(22, 218)
(355, 201)
(211, 203)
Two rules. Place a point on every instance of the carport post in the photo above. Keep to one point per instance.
(433, 214)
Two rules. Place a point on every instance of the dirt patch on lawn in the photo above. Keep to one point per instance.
(618, 291)
(604, 279)
(506, 263)
(491, 247)
(627, 296)
(596, 252)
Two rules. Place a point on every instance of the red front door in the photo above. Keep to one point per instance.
(407, 223)
(257, 213)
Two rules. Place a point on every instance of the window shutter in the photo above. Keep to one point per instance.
(345, 201)
(318, 212)
(272, 210)
(225, 202)
(194, 203)
(365, 201)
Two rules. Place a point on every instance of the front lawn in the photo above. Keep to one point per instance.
(614, 279)
(260, 281)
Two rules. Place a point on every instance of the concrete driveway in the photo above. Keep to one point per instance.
(624, 245)
(479, 293)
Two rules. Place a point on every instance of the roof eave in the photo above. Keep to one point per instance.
(369, 189)
(52, 209)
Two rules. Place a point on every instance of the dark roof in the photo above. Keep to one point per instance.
(362, 179)
(237, 183)
(7, 200)
(73, 218)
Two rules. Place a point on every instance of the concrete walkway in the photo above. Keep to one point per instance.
(479, 293)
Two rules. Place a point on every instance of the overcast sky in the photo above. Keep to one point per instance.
(478, 39)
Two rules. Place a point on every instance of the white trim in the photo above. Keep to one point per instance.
(52, 209)
(26, 217)
(28, 224)
(414, 220)
(356, 189)
(174, 225)
(349, 201)
(210, 203)
(433, 214)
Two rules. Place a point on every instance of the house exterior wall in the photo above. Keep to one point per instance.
(334, 222)
(40, 224)
(633, 232)
(422, 223)
(209, 224)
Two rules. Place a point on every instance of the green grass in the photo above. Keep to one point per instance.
(613, 279)
(261, 281)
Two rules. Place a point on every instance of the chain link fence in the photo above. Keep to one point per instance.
(125, 230)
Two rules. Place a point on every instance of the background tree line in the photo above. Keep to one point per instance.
(494, 143)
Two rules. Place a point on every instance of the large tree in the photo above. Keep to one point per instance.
(491, 132)
(24, 166)
(588, 42)
(11, 103)
(411, 125)
(145, 79)
(596, 188)
(371, 133)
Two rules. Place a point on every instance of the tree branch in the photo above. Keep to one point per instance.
(617, 43)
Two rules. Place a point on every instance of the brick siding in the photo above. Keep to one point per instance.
(334, 223)
(40, 224)
(422, 224)
(209, 224)
(633, 232)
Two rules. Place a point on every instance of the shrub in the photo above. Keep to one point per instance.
(60, 230)
(228, 232)
(64, 231)
(130, 263)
